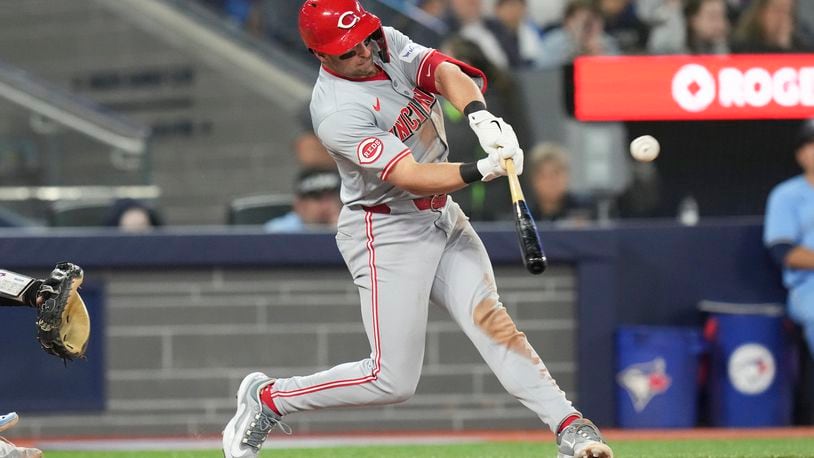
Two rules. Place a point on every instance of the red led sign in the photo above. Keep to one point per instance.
(767, 86)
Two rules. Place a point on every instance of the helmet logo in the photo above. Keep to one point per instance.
(347, 20)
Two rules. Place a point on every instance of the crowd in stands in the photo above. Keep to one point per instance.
(503, 36)
(540, 33)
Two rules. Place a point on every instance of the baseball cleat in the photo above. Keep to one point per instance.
(247, 430)
(9, 450)
(581, 439)
(8, 421)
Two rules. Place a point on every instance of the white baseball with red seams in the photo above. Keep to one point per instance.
(403, 260)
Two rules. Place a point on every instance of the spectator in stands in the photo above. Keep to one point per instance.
(518, 36)
(767, 26)
(482, 201)
(310, 152)
(700, 27)
(466, 18)
(316, 203)
(462, 13)
(247, 14)
(432, 29)
(623, 24)
(131, 215)
(581, 33)
(547, 13)
(550, 197)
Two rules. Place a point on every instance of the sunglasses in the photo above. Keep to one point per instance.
(352, 52)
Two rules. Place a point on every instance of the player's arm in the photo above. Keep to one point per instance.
(18, 290)
(427, 179)
(457, 87)
(434, 178)
(799, 257)
(494, 134)
(783, 232)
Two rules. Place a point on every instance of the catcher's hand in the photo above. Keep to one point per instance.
(63, 323)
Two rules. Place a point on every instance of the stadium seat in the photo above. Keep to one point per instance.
(81, 213)
(258, 209)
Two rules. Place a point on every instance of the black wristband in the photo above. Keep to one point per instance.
(470, 173)
(473, 106)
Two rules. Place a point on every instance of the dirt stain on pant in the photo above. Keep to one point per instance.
(495, 321)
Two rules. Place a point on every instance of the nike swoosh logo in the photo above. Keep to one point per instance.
(497, 124)
(378, 105)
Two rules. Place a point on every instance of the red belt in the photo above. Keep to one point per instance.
(422, 203)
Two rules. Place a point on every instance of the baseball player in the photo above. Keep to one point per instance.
(789, 237)
(58, 293)
(9, 450)
(375, 108)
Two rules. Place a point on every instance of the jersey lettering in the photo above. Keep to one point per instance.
(413, 115)
(424, 99)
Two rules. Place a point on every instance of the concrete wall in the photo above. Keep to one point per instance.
(180, 341)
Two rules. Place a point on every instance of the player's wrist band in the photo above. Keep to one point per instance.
(473, 106)
(470, 173)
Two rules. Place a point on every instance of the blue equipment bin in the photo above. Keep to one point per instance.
(751, 371)
(657, 376)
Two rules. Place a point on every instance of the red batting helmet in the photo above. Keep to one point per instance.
(335, 26)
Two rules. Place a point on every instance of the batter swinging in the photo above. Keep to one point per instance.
(375, 108)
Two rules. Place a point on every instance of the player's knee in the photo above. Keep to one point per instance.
(401, 394)
(394, 393)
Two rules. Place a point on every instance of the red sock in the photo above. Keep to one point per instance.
(265, 398)
(568, 420)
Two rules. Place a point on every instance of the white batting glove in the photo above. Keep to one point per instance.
(493, 133)
(491, 167)
(517, 158)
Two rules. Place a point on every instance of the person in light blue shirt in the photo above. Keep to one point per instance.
(316, 203)
(789, 234)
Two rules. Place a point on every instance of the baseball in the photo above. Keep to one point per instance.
(645, 148)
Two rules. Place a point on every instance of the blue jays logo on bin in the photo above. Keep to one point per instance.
(643, 381)
(751, 368)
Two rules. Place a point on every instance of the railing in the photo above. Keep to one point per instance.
(109, 154)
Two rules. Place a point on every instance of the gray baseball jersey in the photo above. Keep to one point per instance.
(367, 126)
(408, 255)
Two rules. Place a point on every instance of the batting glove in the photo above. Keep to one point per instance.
(493, 133)
(491, 167)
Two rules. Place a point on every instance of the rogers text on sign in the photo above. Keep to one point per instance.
(694, 87)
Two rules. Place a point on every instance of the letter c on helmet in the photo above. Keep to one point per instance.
(344, 23)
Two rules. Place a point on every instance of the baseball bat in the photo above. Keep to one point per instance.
(530, 245)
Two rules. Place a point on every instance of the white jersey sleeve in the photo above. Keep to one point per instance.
(354, 135)
(407, 54)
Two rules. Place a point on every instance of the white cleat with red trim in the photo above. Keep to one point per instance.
(246, 432)
(582, 439)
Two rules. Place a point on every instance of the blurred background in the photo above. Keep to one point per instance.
(166, 146)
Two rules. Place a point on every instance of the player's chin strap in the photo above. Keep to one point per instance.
(381, 45)
(18, 288)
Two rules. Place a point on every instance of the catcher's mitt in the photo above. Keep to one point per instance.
(63, 323)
